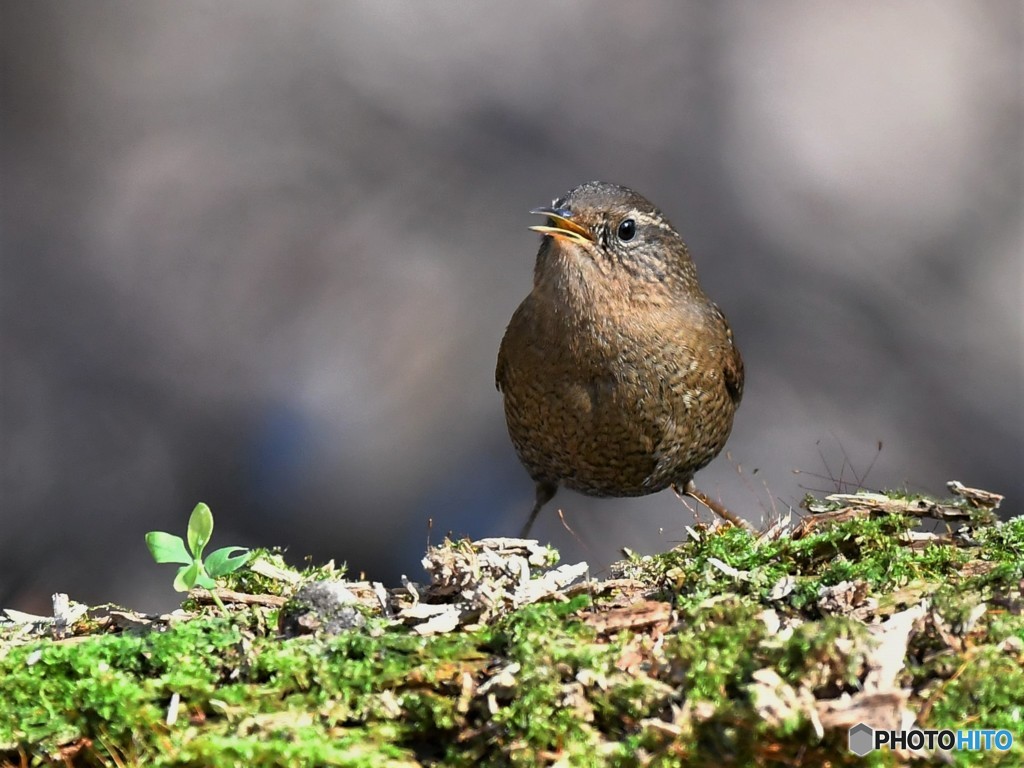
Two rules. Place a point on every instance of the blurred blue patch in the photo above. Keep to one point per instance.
(278, 453)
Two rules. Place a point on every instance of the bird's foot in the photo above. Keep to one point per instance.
(715, 506)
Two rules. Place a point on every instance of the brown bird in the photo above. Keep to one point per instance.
(619, 375)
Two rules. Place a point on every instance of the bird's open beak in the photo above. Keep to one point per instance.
(561, 225)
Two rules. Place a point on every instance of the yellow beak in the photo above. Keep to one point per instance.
(561, 225)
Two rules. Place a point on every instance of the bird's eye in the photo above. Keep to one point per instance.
(626, 230)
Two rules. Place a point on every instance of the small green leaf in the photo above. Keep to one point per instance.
(167, 548)
(186, 578)
(221, 562)
(200, 529)
(203, 580)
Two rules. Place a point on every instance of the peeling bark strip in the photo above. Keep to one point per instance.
(648, 613)
(976, 506)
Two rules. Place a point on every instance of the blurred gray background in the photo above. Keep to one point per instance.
(262, 255)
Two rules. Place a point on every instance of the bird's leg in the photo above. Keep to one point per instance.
(545, 493)
(715, 506)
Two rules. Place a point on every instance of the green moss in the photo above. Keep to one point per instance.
(256, 583)
(710, 657)
(543, 684)
(985, 691)
(826, 656)
(867, 550)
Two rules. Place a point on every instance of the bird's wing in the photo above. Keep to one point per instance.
(732, 365)
(499, 371)
(732, 372)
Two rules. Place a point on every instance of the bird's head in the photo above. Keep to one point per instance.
(603, 232)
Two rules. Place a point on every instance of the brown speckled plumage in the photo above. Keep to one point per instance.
(620, 377)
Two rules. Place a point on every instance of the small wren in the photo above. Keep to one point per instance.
(619, 375)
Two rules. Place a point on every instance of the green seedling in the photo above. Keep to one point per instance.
(196, 571)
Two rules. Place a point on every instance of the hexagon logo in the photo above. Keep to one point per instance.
(861, 739)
